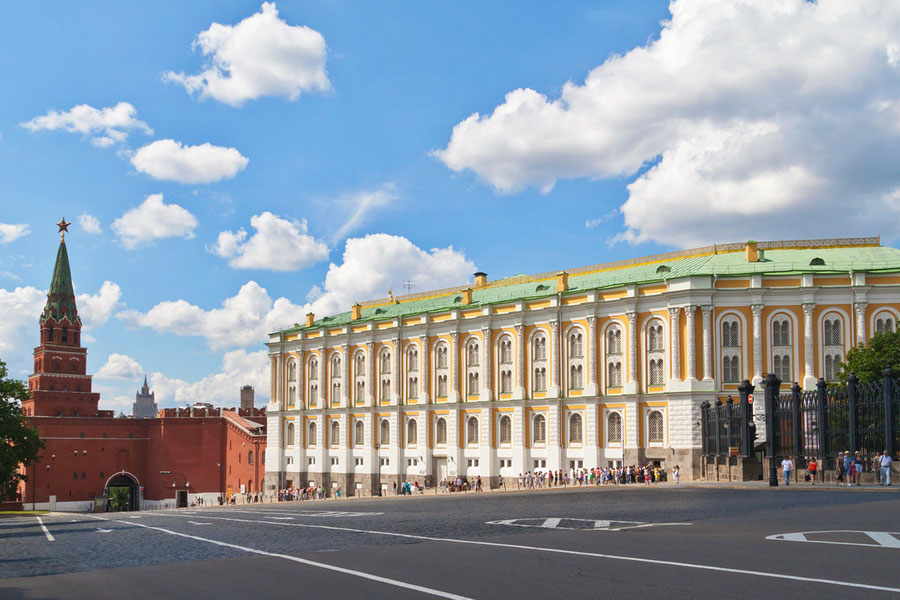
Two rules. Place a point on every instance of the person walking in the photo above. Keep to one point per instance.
(811, 468)
(676, 473)
(848, 471)
(885, 475)
(857, 467)
(787, 465)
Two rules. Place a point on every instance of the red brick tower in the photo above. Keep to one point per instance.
(60, 386)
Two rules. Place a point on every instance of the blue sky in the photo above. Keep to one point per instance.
(306, 155)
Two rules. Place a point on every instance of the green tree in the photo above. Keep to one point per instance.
(20, 442)
(869, 362)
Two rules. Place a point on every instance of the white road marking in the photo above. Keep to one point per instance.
(652, 561)
(196, 523)
(882, 539)
(595, 524)
(280, 518)
(50, 537)
(308, 513)
(101, 530)
(394, 582)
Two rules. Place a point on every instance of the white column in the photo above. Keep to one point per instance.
(631, 384)
(691, 354)
(757, 343)
(860, 323)
(454, 366)
(520, 362)
(675, 342)
(593, 385)
(809, 376)
(553, 392)
(345, 375)
(370, 375)
(486, 371)
(707, 343)
(425, 370)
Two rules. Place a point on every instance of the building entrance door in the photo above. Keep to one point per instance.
(181, 499)
(123, 493)
(440, 468)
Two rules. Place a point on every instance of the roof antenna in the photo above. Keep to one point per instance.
(409, 285)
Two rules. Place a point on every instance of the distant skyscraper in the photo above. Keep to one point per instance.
(144, 406)
(246, 397)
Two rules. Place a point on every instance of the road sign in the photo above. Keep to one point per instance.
(843, 537)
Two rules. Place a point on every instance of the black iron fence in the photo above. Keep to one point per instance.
(818, 423)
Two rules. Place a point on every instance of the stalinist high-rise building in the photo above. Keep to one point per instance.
(144, 406)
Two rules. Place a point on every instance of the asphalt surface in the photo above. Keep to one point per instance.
(612, 542)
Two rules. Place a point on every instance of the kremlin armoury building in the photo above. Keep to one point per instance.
(598, 366)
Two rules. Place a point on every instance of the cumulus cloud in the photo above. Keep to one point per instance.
(10, 232)
(169, 160)
(747, 116)
(371, 266)
(96, 309)
(89, 223)
(260, 56)
(278, 245)
(120, 366)
(361, 203)
(222, 388)
(153, 220)
(105, 126)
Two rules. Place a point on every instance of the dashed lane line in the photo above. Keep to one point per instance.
(49, 535)
(637, 559)
(297, 559)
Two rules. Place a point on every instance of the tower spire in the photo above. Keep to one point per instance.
(61, 296)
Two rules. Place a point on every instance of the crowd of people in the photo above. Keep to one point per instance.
(848, 469)
(307, 493)
(616, 475)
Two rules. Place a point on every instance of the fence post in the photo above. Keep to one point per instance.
(716, 425)
(744, 390)
(851, 409)
(729, 412)
(888, 387)
(795, 419)
(821, 419)
(704, 427)
(772, 385)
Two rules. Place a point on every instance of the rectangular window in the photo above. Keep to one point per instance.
(505, 463)
(359, 462)
(384, 462)
(540, 464)
(335, 461)
(310, 461)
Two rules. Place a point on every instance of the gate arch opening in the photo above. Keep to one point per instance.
(123, 492)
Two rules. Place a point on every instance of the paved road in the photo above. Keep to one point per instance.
(628, 542)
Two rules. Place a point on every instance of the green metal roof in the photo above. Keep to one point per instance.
(61, 296)
(720, 261)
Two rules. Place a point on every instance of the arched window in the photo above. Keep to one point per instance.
(440, 431)
(442, 371)
(884, 323)
(292, 370)
(412, 387)
(505, 381)
(289, 435)
(335, 433)
(313, 394)
(360, 364)
(311, 437)
(576, 429)
(442, 386)
(385, 433)
(614, 340)
(540, 429)
(833, 345)
(472, 368)
(655, 432)
(385, 375)
(576, 344)
(656, 341)
(335, 392)
(539, 362)
(472, 384)
(360, 392)
(614, 428)
(576, 379)
(505, 430)
(412, 433)
(731, 349)
(540, 379)
(505, 351)
(412, 359)
(442, 354)
(782, 347)
(540, 347)
(385, 361)
(575, 360)
(614, 374)
(359, 436)
(472, 355)
(335, 367)
(313, 379)
(472, 430)
(656, 373)
(313, 369)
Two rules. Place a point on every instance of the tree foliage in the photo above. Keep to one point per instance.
(20, 442)
(869, 362)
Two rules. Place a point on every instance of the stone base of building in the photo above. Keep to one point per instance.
(730, 468)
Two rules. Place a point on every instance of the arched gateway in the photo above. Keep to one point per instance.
(123, 492)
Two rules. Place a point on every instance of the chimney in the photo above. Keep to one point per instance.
(562, 281)
(467, 296)
(751, 252)
(356, 312)
(480, 280)
(310, 319)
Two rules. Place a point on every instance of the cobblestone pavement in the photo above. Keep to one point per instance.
(630, 541)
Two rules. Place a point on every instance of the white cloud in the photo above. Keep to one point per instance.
(120, 366)
(96, 309)
(153, 220)
(260, 56)
(278, 245)
(172, 161)
(89, 223)
(758, 116)
(106, 126)
(371, 266)
(10, 232)
(363, 202)
(239, 368)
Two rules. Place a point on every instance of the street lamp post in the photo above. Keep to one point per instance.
(772, 385)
